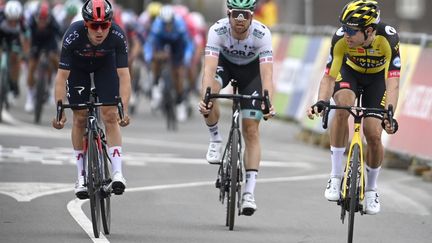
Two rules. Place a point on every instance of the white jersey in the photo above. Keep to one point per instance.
(241, 52)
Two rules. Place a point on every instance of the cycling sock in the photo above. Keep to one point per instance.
(372, 176)
(214, 133)
(251, 176)
(115, 154)
(79, 157)
(337, 156)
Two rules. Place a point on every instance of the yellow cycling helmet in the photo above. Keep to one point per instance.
(153, 9)
(360, 13)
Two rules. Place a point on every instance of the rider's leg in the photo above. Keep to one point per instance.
(252, 152)
(339, 130)
(156, 91)
(374, 152)
(214, 152)
(15, 67)
(33, 62)
(114, 140)
(78, 130)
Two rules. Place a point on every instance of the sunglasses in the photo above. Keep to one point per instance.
(96, 25)
(350, 31)
(240, 15)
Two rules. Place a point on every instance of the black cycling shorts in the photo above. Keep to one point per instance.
(249, 83)
(106, 82)
(372, 84)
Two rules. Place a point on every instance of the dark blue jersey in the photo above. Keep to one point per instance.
(78, 52)
(52, 32)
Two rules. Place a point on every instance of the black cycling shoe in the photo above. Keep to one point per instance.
(82, 195)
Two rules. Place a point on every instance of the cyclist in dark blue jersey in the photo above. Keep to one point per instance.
(45, 33)
(95, 45)
(169, 30)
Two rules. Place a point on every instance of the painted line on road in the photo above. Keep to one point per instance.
(75, 206)
(75, 209)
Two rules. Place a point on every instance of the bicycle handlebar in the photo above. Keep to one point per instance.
(87, 105)
(266, 99)
(352, 109)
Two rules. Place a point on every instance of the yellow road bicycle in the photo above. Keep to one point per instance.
(353, 181)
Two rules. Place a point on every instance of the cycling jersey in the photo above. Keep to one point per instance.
(258, 43)
(78, 52)
(382, 54)
(12, 34)
(178, 39)
(46, 38)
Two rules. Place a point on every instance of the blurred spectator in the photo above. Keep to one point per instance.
(267, 12)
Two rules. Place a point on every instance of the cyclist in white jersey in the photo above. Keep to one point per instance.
(239, 48)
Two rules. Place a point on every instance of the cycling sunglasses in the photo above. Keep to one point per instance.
(349, 31)
(96, 25)
(240, 14)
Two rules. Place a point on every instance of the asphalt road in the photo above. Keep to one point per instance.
(171, 195)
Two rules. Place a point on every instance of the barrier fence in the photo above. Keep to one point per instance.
(300, 56)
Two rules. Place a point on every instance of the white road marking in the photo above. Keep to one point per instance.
(75, 209)
(27, 191)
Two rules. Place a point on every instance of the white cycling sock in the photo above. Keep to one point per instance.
(214, 133)
(337, 157)
(115, 154)
(372, 177)
(251, 176)
(79, 158)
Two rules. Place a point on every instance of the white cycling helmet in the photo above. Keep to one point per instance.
(13, 10)
(167, 13)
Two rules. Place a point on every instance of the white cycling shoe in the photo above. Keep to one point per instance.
(372, 204)
(332, 191)
(118, 183)
(214, 153)
(80, 189)
(248, 204)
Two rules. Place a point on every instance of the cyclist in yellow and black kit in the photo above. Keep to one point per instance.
(364, 54)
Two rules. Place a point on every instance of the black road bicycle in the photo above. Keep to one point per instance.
(230, 173)
(43, 80)
(353, 181)
(98, 174)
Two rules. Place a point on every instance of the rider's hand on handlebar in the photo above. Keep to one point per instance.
(272, 112)
(202, 107)
(385, 123)
(60, 124)
(125, 121)
(317, 109)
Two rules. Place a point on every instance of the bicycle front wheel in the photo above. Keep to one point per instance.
(40, 96)
(105, 200)
(93, 185)
(353, 191)
(232, 202)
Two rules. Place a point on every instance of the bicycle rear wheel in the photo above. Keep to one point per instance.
(93, 185)
(40, 95)
(3, 91)
(232, 202)
(105, 200)
(353, 191)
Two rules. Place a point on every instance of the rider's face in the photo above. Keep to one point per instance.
(353, 36)
(240, 20)
(97, 32)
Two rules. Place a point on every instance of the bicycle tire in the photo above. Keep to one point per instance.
(232, 203)
(3, 91)
(353, 191)
(93, 185)
(40, 96)
(105, 200)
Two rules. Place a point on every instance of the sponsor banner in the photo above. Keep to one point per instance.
(290, 73)
(415, 112)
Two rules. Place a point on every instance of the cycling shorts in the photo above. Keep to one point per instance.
(177, 49)
(249, 83)
(106, 82)
(372, 84)
(49, 46)
(13, 42)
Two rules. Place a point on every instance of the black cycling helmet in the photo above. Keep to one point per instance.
(360, 13)
(97, 10)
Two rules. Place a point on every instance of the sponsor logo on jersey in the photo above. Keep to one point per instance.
(238, 52)
(259, 34)
(70, 38)
(329, 59)
(222, 30)
(394, 74)
(390, 30)
(397, 62)
(340, 32)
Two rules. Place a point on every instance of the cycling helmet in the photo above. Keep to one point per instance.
(360, 13)
(71, 9)
(167, 13)
(13, 10)
(43, 11)
(153, 9)
(97, 11)
(241, 4)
